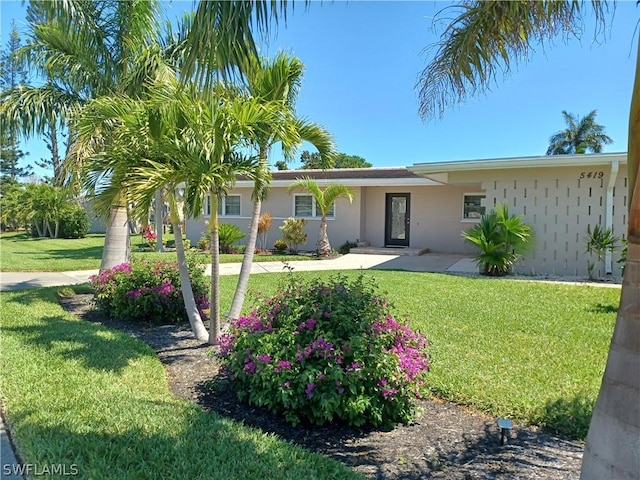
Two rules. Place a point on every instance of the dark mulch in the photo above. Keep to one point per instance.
(446, 442)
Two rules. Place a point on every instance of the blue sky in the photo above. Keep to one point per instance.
(363, 59)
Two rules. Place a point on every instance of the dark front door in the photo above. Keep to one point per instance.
(396, 231)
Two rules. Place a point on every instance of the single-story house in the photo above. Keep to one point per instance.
(428, 205)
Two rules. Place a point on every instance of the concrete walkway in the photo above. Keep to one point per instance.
(432, 262)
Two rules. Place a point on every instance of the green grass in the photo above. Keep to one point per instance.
(20, 253)
(79, 393)
(530, 351)
(96, 400)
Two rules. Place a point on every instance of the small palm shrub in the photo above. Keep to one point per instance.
(148, 291)
(228, 234)
(324, 351)
(599, 241)
(293, 233)
(501, 238)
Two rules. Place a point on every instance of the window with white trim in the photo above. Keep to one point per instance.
(473, 206)
(305, 206)
(228, 206)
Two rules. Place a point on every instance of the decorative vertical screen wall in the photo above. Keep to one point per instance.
(560, 203)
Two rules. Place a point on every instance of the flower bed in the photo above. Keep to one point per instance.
(324, 351)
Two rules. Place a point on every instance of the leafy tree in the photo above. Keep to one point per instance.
(325, 200)
(12, 76)
(580, 136)
(482, 38)
(281, 165)
(350, 161)
(313, 161)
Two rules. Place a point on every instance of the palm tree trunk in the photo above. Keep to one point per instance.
(159, 220)
(323, 245)
(214, 309)
(613, 443)
(247, 260)
(117, 241)
(197, 326)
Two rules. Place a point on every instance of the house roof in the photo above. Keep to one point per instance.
(439, 171)
(361, 177)
(543, 161)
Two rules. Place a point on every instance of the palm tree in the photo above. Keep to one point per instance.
(196, 147)
(324, 200)
(580, 136)
(86, 50)
(485, 37)
(275, 82)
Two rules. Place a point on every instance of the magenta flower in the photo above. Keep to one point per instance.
(309, 389)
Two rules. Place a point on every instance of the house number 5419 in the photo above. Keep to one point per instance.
(591, 175)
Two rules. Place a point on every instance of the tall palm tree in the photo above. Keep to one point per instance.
(87, 50)
(483, 38)
(324, 199)
(580, 136)
(197, 149)
(276, 82)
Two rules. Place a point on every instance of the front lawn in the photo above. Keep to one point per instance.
(75, 392)
(96, 401)
(21, 253)
(533, 352)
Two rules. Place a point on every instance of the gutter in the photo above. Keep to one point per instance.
(608, 213)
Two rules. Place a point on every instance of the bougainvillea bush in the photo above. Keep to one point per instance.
(148, 291)
(327, 350)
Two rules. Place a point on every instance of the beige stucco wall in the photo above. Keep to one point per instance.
(435, 216)
(344, 227)
(559, 203)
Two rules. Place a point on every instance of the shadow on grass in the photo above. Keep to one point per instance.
(82, 253)
(94, 346)
(602, 308)
(193, 444)
(569, 416)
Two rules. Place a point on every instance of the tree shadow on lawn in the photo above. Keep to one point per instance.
(82, 253)
(94, 346)
(193, 444)
(569, 415)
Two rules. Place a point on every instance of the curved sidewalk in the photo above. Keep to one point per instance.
(431, 262)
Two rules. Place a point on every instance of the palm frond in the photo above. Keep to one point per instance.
(486, 38)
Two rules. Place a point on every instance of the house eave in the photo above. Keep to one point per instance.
(440, 169)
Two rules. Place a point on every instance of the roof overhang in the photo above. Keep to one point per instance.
(439, 171)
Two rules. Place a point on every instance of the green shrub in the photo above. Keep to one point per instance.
(346, 247)
(228, 234)
(74, 222)
(280, 246)
(502, 239)
(327, 350)
(293, 233)
(148, 291)
(205, 241)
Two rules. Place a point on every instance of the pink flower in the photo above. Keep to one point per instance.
(309, 389)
